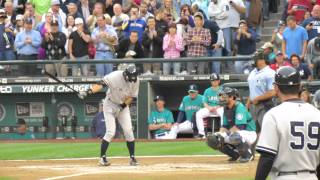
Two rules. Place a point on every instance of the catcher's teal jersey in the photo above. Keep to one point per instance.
(190, 106)
(242, 117)
(163, 117)
(211, 96)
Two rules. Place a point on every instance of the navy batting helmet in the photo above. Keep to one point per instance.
(214, 77)
(130, 73)
(287, 76)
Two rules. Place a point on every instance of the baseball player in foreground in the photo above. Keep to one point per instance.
(289, 139)
(123, 87)
(238, 131)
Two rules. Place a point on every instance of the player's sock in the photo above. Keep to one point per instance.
(130, 146)
(104, 147)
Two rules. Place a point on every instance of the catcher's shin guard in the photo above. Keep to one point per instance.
(230, 150)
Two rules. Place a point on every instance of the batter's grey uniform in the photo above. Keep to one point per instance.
(118, 90)
(290, 131)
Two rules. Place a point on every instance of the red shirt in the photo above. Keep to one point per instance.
(275, 66)
(302, 7)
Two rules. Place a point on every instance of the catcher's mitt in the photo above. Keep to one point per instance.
(215, 141)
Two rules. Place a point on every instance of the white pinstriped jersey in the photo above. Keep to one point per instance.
(119, 88)
(291, 131)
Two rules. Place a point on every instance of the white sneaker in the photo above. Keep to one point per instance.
(103, 161)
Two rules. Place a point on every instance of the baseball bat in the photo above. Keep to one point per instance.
(59, 81)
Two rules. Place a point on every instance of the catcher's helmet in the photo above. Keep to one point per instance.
(287, 76)
(214, 77)
(130, 73)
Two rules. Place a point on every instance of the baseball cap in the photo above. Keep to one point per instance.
(28, 21)
(317, 43)
(21, 121)
(19, 17)
(54, 23)
(55, 2)
(158, 97)
(267, 45)
(242, 22)
(78, 21)
(193, 88)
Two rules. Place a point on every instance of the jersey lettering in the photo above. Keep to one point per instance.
(297, 128)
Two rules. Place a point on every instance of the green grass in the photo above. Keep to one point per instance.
(28, 151)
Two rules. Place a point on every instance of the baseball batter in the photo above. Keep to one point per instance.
(210, 103)
(189, 106)
(289, 140)
(122, 86)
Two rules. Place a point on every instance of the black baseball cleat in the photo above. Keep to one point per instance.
(233, 159)
(133, 162)
(246, 159)
(103, 161)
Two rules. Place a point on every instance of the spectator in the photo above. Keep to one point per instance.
(135, 24)
(43, 28)
(22, 131)
(172, 46)
(169, 9)
(313, 56)
(298, 8)
(152, 40)
(154, 5)
(27, 43)
(265, 9)
(268, 52)
(10, 11)
(6, 39)
(160, 120)
(279, 62)
(68, 29)
(78, 43)
(277, 37)
(85, 8)
(128, 4)
(105, 38)
(312, 24)
(19, 6)
(119, 21)
(198, 39)
(130, 48)
(195, 9)
(203, 5)
(98, 124)
(73, 10)
(53, 43)
(143, 11)
(179, 4)
(108, 6)
(30, 14)
(261, 91)
(57, 14)
(245, 39)
(97, 12)
(302, 68)
(294, 39)
(189, 106)
(210, 103)
(41, 7)
(19, 24)
(186, 14)
(254, 16)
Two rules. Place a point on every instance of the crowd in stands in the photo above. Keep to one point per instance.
(111, 29)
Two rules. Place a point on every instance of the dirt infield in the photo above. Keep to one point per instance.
(155, 168)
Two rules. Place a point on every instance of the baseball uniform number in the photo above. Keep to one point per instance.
(313, 134)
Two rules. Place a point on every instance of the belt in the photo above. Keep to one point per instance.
(161, 134)
(295, 172)
(113, 102)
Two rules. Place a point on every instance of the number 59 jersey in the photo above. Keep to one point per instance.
(291, 131)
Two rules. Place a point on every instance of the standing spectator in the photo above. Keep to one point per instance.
(43, 28)
(92, 19)
(268, 52)
(313, 56)
(30, 14)
(312, 24)
(265, 9)
(108, 6)
(77, 45)
(6, 39)
(19, 24)
(143, 11)
(19, 6)
(279, 62)
(203, 5)
(53, 43)
(302, 68)
(198, 39)
(152, 40)
(119, 21)
(295, 39)
(85, 8)
(254, 16)
(135, 23)
(105, 38)
(68, 29)
(245, 39)
(172, 46)
(11, 14)
(261, 91)
(57, 14)
(195, 9)
(277, 37)
(130, 47)
(298, 8)
(169, 9)
(186, 14)
(41, 7)
(27, 43)
(73, 10)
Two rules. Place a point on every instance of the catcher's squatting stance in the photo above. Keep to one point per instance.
(238, 131)
(123, 87)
